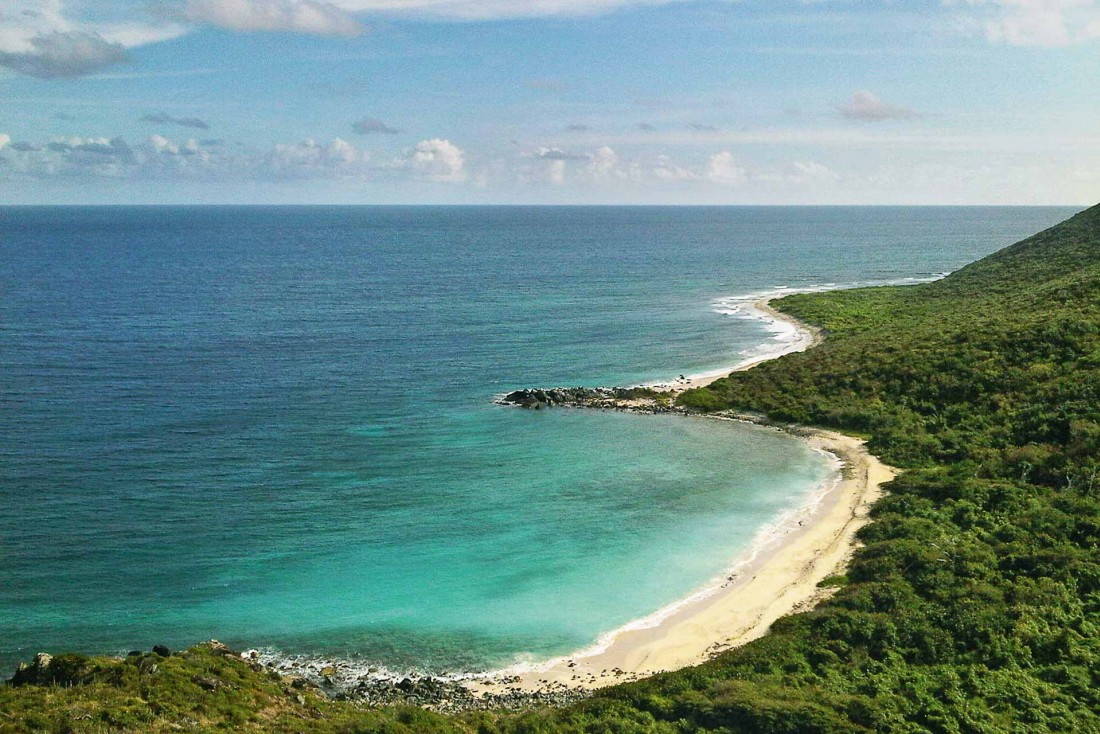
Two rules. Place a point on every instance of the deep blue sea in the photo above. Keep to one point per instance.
(275, 427)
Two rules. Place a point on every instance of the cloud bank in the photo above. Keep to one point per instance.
(159, 157)
(434, 160)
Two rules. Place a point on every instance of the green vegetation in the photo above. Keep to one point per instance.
(201, 689)
(973, 607)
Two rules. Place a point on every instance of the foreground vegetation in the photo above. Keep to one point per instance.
(973, 607)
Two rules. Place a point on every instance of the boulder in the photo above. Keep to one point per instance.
(36, 672)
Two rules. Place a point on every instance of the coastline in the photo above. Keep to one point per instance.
(777, 575)
(805, 337)
(776, 580)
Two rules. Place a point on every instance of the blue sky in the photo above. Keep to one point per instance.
(550, 101)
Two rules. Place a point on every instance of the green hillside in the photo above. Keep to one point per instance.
(973, 607)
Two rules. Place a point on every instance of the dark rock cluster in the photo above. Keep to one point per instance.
(453, 696)
(641, 399)
(341, 681)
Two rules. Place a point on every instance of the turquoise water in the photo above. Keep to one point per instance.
(274, 426)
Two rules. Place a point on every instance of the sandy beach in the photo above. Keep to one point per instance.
(779, 580)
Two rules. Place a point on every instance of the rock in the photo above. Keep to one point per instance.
(220, 649)
(37, 672)
(328, 671)
(161, 650)
(207, 684)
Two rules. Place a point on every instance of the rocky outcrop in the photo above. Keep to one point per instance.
(339, 680)
(36, 672)
(643, 399)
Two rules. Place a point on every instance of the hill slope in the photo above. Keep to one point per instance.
(973, 607)
(975, 604)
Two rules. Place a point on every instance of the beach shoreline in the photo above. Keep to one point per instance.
(777, 579)
(777, 575)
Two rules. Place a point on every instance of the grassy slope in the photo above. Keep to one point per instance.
(974, 607)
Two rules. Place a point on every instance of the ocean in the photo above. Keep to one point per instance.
(275, 426)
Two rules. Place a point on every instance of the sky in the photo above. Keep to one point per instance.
(550, 101)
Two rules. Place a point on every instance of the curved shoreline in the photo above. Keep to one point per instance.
(776, 576)
(770, 583)
(806, 337)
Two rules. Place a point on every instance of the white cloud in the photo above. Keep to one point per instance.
(438, 160)
(665, 169)
(23, 20)
(38, 39)
(161, 144)
(130, 35)
(556, 166)
(1036, 22)
(548, 165)
(296, 16)
(605, 168)
(557, 154)
(866, 107)
(160, 157)
(603, 163)
(64, 54)
(723, 168)
(92, 156)
(309, 159)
